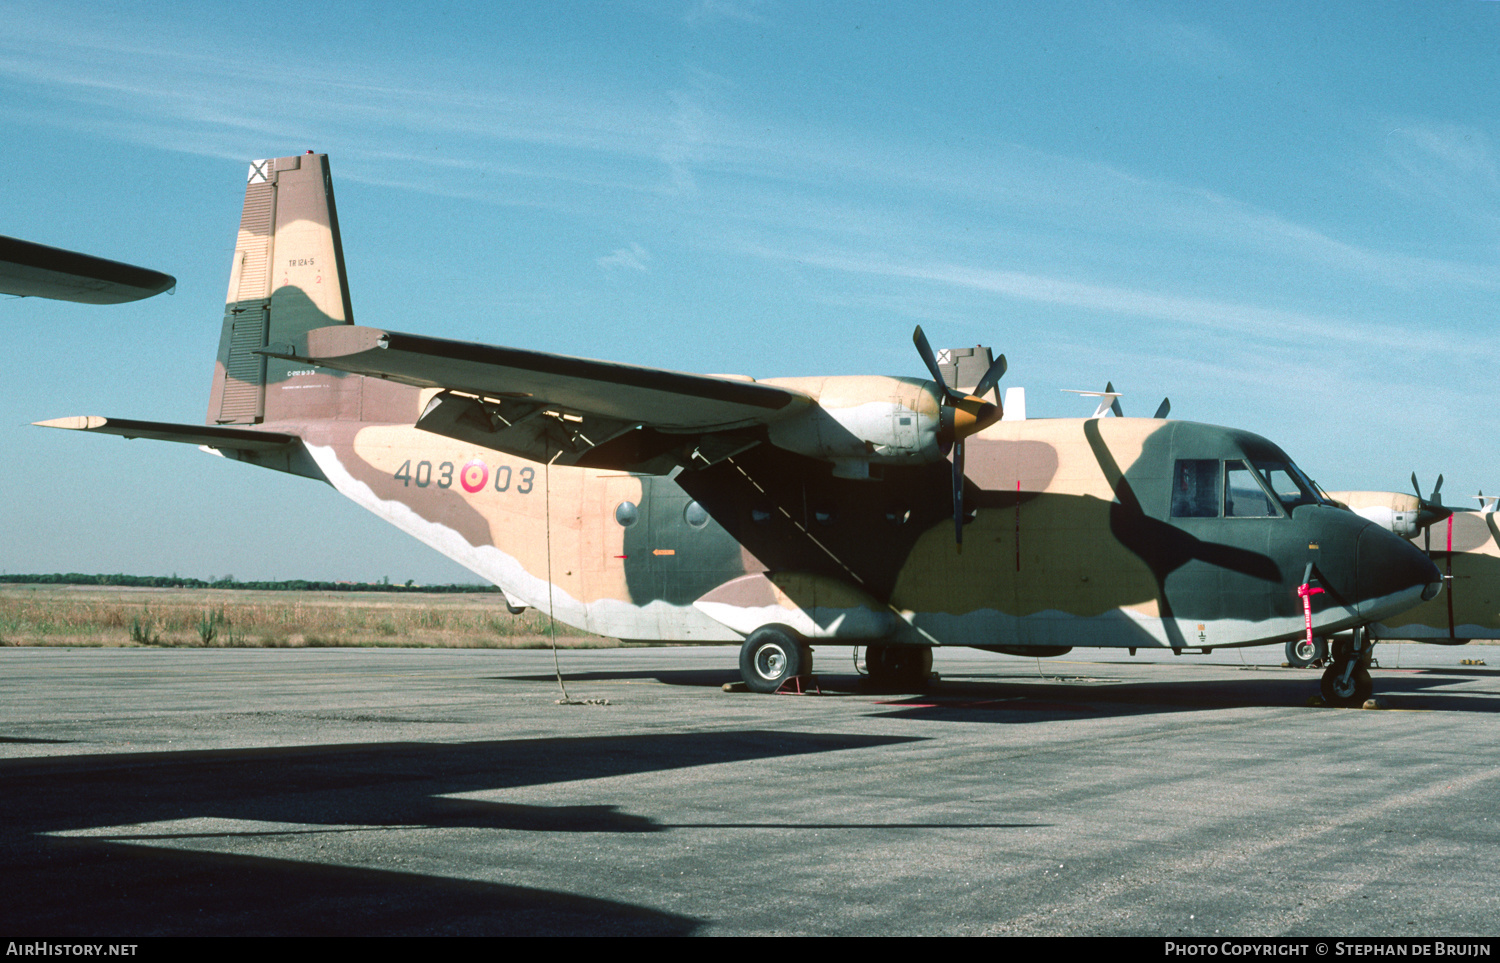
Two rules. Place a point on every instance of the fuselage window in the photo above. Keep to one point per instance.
(1243, 495)
(1195, 488)
(626, 514)
(695, 515)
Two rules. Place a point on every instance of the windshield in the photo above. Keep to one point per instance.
(1288, 484)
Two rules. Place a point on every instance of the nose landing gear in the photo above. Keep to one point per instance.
(1301, 654)
(1346, 682)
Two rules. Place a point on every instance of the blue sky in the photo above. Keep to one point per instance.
(1284, 216)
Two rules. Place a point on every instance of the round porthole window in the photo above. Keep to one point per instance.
(695, 515)
(627, 514)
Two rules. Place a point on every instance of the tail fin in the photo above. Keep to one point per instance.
(287, 278)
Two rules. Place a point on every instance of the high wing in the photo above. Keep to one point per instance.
(32, 270)
(549, 407)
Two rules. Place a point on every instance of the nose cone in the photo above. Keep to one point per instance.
(1392, 574)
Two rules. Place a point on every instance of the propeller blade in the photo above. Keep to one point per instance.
(1164, 408)
(930, 359)
(991, 377)
(958, 495)
(1430, 509)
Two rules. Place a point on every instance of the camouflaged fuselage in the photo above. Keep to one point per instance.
(1070, 542)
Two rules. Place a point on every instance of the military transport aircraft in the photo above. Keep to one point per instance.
(891, 512)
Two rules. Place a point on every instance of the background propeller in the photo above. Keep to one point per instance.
(960, 416)
(1431, 509)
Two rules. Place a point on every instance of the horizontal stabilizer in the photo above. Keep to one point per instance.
(669, 401)
(232, 439)
(1109, 400)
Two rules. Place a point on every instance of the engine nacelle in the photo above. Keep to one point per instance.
(1396, 512)
(863, 420)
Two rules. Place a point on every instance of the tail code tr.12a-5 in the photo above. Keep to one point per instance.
(891, 512)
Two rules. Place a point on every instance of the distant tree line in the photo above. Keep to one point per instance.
(230, 582)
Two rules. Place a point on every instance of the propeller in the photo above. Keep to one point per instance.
(1431, 509)
(960, 416)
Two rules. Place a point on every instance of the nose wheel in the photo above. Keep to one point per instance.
(1346, 682)
(1300, 653)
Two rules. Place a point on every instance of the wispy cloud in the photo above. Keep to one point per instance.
(1455, 165)
(634, 257)
(744, 11)
(1144, 35)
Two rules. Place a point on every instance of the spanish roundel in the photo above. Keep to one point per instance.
(473, 476)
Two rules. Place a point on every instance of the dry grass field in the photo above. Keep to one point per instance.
(117, 616)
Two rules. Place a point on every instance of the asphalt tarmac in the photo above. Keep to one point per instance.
(373, 792)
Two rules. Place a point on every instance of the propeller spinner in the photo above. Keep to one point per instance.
(959, 417)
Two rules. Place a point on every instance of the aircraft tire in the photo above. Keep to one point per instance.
(771, 655)
(898, 665)
(1300, 655)
(1350, 695)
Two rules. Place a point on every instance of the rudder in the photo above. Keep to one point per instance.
(287, 278)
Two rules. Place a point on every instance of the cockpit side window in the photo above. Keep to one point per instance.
(1244, 496)
(1195, 488)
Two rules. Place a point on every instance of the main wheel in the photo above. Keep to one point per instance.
(772, 655)
(1300, 653)
(1347, 695)
(898, 665)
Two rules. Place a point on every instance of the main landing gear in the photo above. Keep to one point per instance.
(772, 655)
(1346, 681)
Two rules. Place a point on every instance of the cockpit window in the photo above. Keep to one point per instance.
(1244, 488)
(1195, 488)
(1291, 487)
(1243, 495)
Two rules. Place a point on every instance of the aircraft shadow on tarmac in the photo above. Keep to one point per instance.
(1052, 699)
(105, 884)
(1065, 691)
